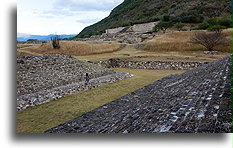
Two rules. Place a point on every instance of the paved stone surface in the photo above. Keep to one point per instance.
(197, 101)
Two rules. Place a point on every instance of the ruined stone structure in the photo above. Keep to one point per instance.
(197, 101)
(154, 65)
(41, 79)
(137, 28)
(114, 30)
(131, 34)
(146, 27)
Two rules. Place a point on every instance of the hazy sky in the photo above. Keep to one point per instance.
(43, 17)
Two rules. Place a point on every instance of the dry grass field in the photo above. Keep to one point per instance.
(26, 45)
(73, 48)
(180, 41)
(173, 46)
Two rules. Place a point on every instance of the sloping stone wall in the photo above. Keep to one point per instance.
(145, 27)
(197, 101)
(114, 30)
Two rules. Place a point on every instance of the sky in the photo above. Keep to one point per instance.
(43, 17)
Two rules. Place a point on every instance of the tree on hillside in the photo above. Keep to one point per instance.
(208, 40)
(179, 26)
(163, 26)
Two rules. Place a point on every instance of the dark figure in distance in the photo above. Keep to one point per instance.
(87, 79)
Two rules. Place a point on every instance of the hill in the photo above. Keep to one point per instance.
(140, 11)
(25, 37)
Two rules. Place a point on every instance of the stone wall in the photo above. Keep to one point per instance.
(155, 65)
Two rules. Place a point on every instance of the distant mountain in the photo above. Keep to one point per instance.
(25, 37)
(141, 11)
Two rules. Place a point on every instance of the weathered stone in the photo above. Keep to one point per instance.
(172, 104)
(153, 65)
(44, 78)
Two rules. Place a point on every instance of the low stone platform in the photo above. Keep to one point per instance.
(41, 79)
(38, 73)
(197, 101)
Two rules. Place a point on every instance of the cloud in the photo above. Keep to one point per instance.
(87, 5)
(88, 21)
(61, 16)
(90, 9)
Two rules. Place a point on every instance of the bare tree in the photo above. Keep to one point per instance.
(208, 40)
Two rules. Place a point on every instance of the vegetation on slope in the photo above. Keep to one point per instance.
(141, 11)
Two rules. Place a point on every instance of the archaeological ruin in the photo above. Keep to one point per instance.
(197, 101)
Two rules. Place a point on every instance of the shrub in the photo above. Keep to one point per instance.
(55, 42)
(156, 28)
(216, 28)
(225, 22)
(212, 21)
(203, 25)
(166, 18)
(125, 24)
(179, 26)
(192, 19)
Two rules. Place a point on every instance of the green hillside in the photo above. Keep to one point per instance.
(141, 11)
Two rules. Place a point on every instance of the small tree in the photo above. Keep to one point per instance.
(216, 28)
(208, 40)
(155, 28)
(212, 21)
(164, 26)
(179, 26)
(204, 25)
(55, 42)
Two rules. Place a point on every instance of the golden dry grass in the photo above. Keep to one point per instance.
(25, 45)
(180, 41)
(74, 48)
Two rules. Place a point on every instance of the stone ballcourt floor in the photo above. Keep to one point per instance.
(197, 101)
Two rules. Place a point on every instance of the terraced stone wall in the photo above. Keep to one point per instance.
(155, 65)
